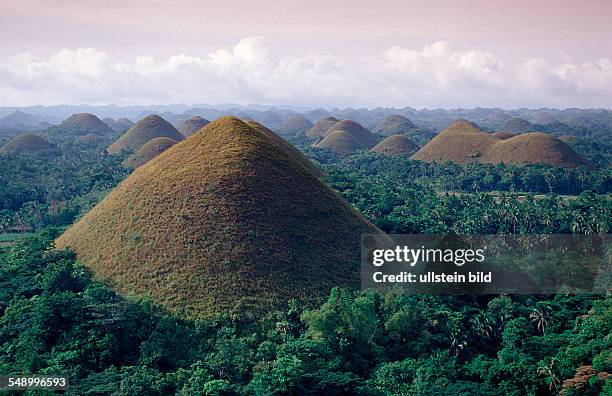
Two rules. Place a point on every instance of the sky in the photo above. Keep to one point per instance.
(333, 53)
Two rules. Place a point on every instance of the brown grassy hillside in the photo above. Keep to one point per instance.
(395, 145)
(517, 125)
(28, 143)
(465, 142)
(148, 151)
(535, 147)
(148, 128)
(293, 126)
(340, 143)
(364, 137)
(321, 126)
(395, 124)
(193, 125)
(223, 222)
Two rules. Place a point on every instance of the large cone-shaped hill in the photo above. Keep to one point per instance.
(148, 151)
(293, 126)
(150, 127)
(193, 125)
(517, 125)
(28, 143)
(395, 124)
(395, 145)
(464, 141)
(224, 221)
(81, 124)
(321, 127)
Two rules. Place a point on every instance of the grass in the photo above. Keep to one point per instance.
(150, 150)
(229, 220)
(10, 238)
(395, 145)
(27, 143)
(320, 127)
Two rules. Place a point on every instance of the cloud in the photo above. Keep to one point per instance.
(437, 75)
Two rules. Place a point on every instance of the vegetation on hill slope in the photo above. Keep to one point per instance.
(78, 125)
(517, 125)
(150, 150)
(364, 137)
(223, 221)
(148, 128)
(340, 143)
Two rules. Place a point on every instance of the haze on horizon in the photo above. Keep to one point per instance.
(332, 54)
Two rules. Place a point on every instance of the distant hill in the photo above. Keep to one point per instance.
(80, 124)
(148, 151)
(18, 121)
(517, 125)
(294, 126)
(225, 222)
(193, 125)
(320, 127)
(395, 124)
(395, 145)
(28, 143)
(148, 128)
(123, 124)
(464, 141)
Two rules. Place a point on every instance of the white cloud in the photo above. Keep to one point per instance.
(437, 75)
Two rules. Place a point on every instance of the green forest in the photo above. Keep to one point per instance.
(56, 318)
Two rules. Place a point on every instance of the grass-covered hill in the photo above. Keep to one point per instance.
(395, 145)
(225, 221)
(80, 124)
(150, 150)
(395, 124)
(320, 127)
(363, 136)
(517, 125)
(148, 128)
(295, 125)
(193, 125)
(28, 143)
(464, 141)
(341, 143)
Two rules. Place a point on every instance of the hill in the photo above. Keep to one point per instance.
(517, 125)
(358, 132)
(464, 141)
(320, 127)
(28, 143)
(395, 145)
(340, 143)
(223, 222)
(123, 124)
(293, 126)
(19, 121)
(193, 125)
(395, 124)
(80, 124)
(148, 128)
(148, 151)
(535, 147)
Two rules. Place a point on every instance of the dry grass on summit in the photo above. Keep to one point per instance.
(224, 221)
(320, 127)
(193, 125)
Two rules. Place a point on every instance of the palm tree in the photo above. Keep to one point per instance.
(541, 317)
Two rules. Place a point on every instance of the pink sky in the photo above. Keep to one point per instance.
(513, 32)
